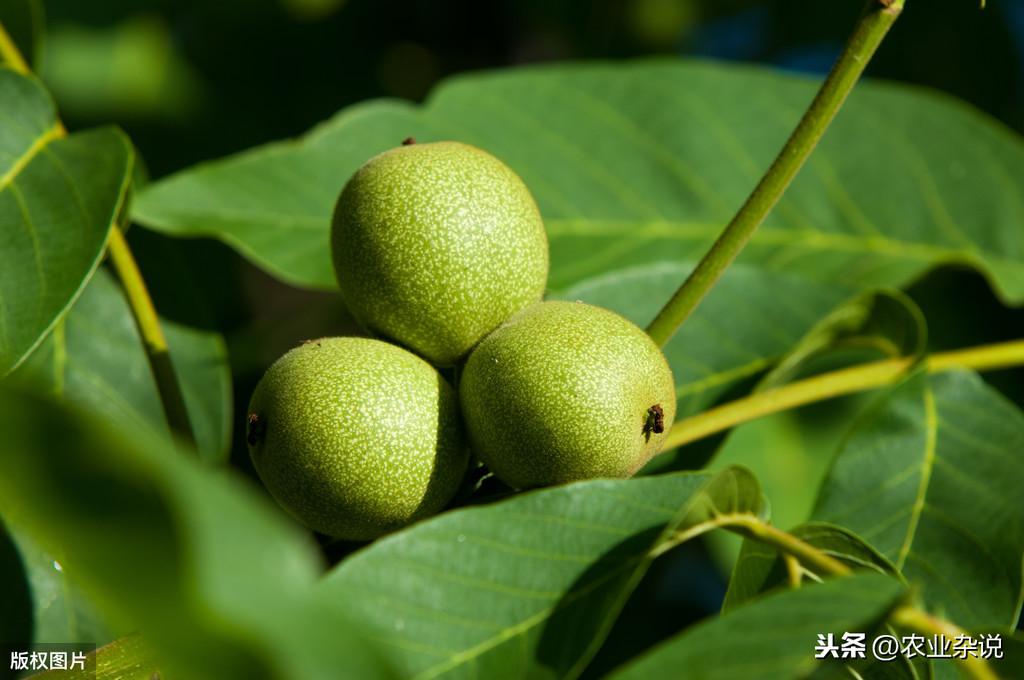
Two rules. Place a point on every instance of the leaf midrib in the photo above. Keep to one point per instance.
(927, 465)
(48, 135)
(774, 235)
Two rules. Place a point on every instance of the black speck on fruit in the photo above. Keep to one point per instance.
(655, 422)
(408, 140)
(257, 428)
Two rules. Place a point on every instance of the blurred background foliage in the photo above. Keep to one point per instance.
(191, 80)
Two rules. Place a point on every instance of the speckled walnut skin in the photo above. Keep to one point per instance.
(356, 437)
(435, 245)
(565, 391)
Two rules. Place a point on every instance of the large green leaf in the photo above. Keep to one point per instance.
(527, 587)
(774, 637)
(931, 477)
(58, 199)
(645, 162)
(218, 581)
(96, 358)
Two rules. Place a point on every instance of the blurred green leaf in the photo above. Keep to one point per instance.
(25, 23)
(129, 70)
(774, 637)
(124, 659)
(660, 23)
(58, 199)
(60, 611)
(760, 567)
(219, 582)
(1011, 665)
(931, 477)
(900, 668)
(526, 587)
(96, 359)
(311, 10)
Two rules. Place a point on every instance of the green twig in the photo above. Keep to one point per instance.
(861, 45)
(152, 334)
(834, 384)
(788, 544)
(749, 524)
(794, 572)
(923, 622)
(140, 302)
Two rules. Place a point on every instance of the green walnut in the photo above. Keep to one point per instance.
(565, 391)
(356, 437)
(435, 245)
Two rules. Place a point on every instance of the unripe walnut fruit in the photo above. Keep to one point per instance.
(434, 245)
(356, 437)
(565, 391)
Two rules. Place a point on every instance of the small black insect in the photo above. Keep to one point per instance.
(257, 427)
(655, 422)
(408, 140)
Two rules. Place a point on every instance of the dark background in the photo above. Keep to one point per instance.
(197, 79)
